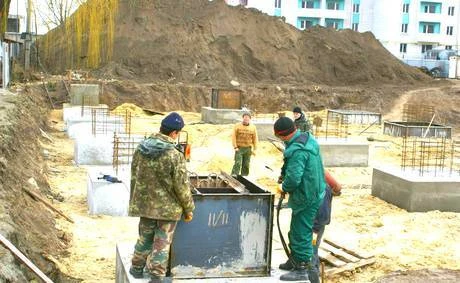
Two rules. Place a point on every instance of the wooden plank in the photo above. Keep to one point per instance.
(7, 244)
(339, 253)
(350, 266)
(358, 254)
(46, 203)
(329, 258)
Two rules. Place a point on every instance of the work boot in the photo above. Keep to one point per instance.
(159, 279)
(288, 265)
(136, 272)
(299, 273)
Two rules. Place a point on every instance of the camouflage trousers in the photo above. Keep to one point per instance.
(242, 160)
(152, 247)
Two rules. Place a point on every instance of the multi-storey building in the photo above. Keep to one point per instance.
(407, 28)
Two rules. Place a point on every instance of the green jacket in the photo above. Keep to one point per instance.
(159, 182)
(302, 172)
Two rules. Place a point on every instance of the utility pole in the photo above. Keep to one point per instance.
(28, 39)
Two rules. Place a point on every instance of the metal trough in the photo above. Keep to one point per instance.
(231, 231)
(416, 129)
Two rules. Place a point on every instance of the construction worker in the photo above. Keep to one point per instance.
(323, 218)
(302, 176)
(244, 141)
(160, 194)
(301, 121)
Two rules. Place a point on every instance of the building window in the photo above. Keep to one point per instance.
(448, 47)
(430, 8)
(333, 5)
(450, 10)
(304, 24)
(428, 28)
(332, 25)
(277, 3)
(404, 28)
(405, 8)
(426, 47)
(356, 8)
(308, 4)
(450, 30)
(354, 27)
(403, 47)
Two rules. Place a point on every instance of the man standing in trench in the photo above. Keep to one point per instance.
(302, 176)
(160, 194)
(244, 140)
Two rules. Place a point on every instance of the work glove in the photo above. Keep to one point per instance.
(253, 153)
(280, 179)
(188, 217)
(279, 190)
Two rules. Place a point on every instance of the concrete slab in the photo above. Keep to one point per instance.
(124, 253)
(344, 153)
(87, 94)
(89, 150)
(83, 127)
(414, 193)
(221, 116)
(105, 197)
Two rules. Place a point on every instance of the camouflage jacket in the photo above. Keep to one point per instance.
(159, 181)
(303, 124)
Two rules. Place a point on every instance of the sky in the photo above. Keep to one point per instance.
(18, 7)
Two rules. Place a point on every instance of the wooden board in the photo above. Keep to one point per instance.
(338, 258)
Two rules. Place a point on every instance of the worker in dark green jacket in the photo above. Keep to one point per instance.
(302, 178)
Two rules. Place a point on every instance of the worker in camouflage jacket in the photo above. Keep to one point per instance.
(160, 194)
(301, 120)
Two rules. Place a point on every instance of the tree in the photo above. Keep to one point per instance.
(55, 12)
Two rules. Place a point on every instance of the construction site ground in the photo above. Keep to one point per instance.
(399, 240)
(402, 242)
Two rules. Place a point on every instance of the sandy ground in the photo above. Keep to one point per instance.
(398, 239)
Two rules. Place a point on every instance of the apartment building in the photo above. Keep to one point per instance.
(407, 28)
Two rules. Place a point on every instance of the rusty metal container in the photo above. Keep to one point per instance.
(226, 98)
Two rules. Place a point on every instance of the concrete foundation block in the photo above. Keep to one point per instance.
(221, 116)
(70, 112)
(104, 197)
(87, 94)
(264, 129)
(89, 150)
(414, 193)
(343, 153)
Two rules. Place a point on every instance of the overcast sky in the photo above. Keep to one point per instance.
(18, 7)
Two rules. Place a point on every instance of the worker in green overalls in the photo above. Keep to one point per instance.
(302, 178)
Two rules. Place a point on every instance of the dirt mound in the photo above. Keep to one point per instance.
(208, 42)
(24, 221)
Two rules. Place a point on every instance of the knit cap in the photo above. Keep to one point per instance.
(284, 126)
(297, 110)
(173, 121)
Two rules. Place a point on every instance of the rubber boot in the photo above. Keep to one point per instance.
(159, 279)
(136, 273)
(299, 273)
(288, 265)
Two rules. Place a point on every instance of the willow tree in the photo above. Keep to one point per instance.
(86, 38)
(4, 10)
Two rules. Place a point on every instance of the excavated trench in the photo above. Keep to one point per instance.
(24, 221)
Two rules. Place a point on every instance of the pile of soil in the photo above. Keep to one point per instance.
(25, 222)
(209, 42)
